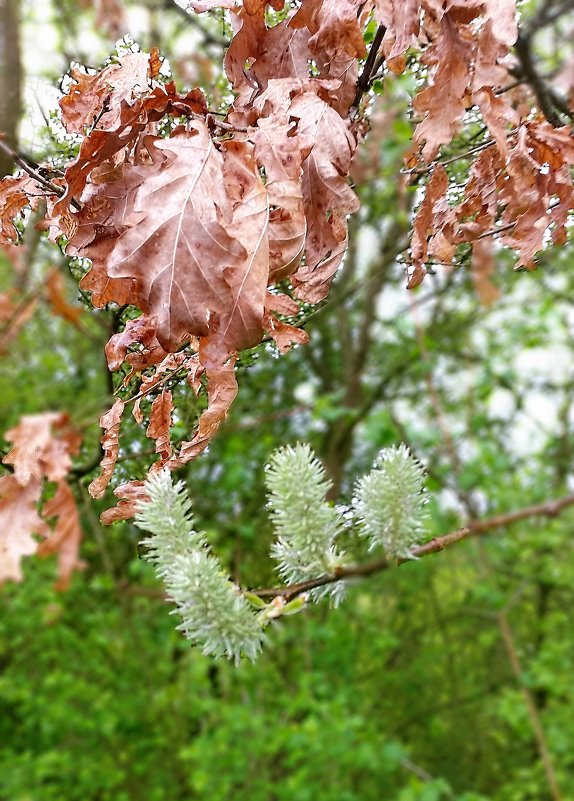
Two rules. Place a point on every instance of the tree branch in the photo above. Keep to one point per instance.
(192, 19)
(370, 68)
(32, 171)
(549, 102)
(474, 528)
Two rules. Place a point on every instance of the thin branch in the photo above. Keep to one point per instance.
(32, 172)
(474, 528)
(546, 99)
(547, 14)
(533, 714)
(370, 68)
(458, 157)
(192, 19)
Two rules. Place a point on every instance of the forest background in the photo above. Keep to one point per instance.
(450, 678)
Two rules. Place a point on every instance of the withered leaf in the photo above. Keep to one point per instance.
(15, 194)
(140, 331)
(160, 424)
(37, 450)
(280, 155)
(423, 225)
(19, 519)
(55, 292)
(178, 246)
(96, 99)
(110, 422)
(327, 146)
(222, 391)
(443, 102)
(482, 270)
(65, 539)
(130, 494)
(240, 324)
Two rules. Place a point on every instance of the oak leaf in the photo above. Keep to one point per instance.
(160, 424)
(15, 195)
(19, 520)
(36, 451)
(443, 102)
(110, 422)
(178, 246)
(97, 98)
(327, 146)
(66, 537)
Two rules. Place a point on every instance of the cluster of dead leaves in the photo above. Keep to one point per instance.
(42, 447)
(520, 183)
(197, 227)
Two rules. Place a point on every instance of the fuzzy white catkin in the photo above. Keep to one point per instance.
(390, 502)
(215, 616)
(306, 525)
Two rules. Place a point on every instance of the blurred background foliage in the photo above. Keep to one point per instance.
(450, 678)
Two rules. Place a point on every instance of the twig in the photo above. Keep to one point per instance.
(458, 157)
(474, 528)
(169, 374)
(546, 101)
(533, 714)
(208, 37)
(369, 68)
(33, 173)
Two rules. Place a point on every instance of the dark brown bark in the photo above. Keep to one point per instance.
(10, 78)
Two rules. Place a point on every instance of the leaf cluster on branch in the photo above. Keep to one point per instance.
(219, 226)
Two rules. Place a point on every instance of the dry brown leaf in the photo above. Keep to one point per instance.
(20, 316)
(15, 195)
(140, 331)
(160, 424)
(110, 422)
(401, 19)
(36, 451)
(423, 225)
(279, 154)
(240, 324)
(442, 103)
(221, 392)
(173, 363)
(327, 146)
(65, 539)
(56, 297)
(130, 134)
(335, 27)
(482, 268)
(97, 98)
(18, 521)
(130, 494)
(283, 334)
(179, 246)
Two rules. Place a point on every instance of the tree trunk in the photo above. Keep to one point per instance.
(10, 78)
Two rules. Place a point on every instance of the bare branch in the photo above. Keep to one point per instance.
(372, 65)
(31, 170)
(474, 528)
